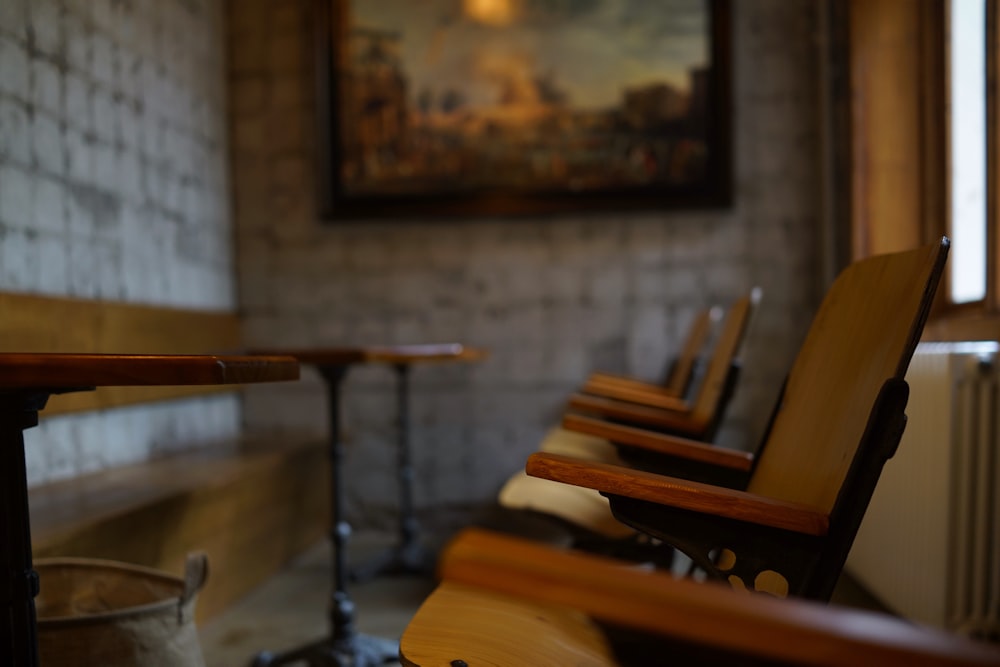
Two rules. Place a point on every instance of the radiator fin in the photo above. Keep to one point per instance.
(973, 607)
(929, 546)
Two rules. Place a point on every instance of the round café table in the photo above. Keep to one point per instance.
(27, 380)
(344, 646)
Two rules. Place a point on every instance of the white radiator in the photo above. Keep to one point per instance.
(929, 546)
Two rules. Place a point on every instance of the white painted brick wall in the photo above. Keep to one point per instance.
(114, 185)
(552, 298)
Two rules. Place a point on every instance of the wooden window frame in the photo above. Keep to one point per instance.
(899, 157)
(979, 320)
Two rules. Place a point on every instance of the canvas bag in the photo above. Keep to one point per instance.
(100, 613)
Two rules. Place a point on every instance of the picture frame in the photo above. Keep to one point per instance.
(471, 108)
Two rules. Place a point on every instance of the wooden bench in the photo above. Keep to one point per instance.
(251, 503)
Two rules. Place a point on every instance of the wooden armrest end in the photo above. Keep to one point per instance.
(633, 391)
(679, 493)
(658, 442)
(682, 421)
(624, 380)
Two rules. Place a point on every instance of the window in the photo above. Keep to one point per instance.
(967, 150)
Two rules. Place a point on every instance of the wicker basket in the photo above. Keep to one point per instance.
(103, 613)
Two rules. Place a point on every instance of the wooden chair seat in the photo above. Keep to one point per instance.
(839, 419)
(483, 627)
(593, 448)
(582, 509)
(505, 601)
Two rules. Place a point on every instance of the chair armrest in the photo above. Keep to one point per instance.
(479, 565)
(630, 436)
(678, 421)
(604, 383)
(614, 378)
(634, 391)
(679, 493)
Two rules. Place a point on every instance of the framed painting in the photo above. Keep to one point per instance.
(433, 108)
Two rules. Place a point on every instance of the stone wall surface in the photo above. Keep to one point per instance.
(114, 184)
(128, 134)
(552, 298)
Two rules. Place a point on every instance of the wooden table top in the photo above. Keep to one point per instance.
(389, 354)
(56, 370)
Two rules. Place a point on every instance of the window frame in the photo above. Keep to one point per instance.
(899, 162)
(975, 320)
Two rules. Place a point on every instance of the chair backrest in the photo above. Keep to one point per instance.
(718, 380)
(682, 369)
(862, 337)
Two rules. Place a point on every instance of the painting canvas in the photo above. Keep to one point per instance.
(509, 106)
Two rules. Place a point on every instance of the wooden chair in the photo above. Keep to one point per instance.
(682, 368)
(840, 418)
(585, 512)
(506, 601)
(649, 405)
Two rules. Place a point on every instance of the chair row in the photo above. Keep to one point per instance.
(783, 525)
(625, 421)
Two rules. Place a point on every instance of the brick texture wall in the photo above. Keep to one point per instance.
(551, 298)
(114, 185)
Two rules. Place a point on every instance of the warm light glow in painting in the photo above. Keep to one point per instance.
(493, 12)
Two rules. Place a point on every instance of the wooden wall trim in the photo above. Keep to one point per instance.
(36, 323)
(897, 124)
